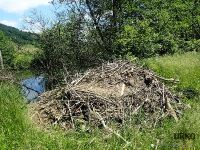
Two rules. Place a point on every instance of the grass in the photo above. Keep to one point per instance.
(185, 67)
(17, 132)
(24, 56)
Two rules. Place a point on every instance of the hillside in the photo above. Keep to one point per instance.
(18, 36)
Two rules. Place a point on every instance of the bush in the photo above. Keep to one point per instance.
(7, 48)
(159, 27)
(24, 56)
(66, 47)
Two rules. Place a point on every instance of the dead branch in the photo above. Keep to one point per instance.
(108, 128)
(167, 79)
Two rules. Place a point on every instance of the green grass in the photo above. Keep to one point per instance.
(17, 132)
(185, 67)
(24, 56)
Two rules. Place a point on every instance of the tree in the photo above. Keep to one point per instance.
(7, 51)
(85, 31)
(67, 46)
(102, 19)
(159, 27)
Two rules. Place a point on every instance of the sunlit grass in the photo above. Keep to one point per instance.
(24, 56)
(185, 67)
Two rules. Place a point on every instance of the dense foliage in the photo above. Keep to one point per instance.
(24, 56)
(16, 53)
(66, 47)
(143, 28)
(89, 30)
(7, 49)
(160, 27)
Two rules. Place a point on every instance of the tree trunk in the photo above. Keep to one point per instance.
(99, 31)
(114, 17)
(1, 60)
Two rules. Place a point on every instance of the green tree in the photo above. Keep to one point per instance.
(159, 27)
(67, 47)
(88, 30)
(7, 49)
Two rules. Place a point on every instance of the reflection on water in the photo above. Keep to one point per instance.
(33, 87)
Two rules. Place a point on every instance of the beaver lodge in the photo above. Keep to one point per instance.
(115, 93)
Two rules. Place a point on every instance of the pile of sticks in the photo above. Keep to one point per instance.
(117, 92)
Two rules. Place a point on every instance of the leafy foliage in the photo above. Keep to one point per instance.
(66, 47)
(17, 54)
(160, 27)
(7, 48)
(143, 28)
(24, 56)
(90, 30)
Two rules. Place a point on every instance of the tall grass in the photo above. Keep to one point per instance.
(186, 68)
(17, 131)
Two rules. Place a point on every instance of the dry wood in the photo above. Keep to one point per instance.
(167, 79)
(173, 113)
(123, 88)
(70, 113)
(157, 143)
(7, 76)
(136, 110)
(98, 116)
(75, 82)
(75, 101)
(1, 60)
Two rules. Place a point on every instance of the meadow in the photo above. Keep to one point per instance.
(18, 132)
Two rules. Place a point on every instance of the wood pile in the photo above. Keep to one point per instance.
(117, 92)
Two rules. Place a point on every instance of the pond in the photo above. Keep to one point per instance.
(33, 87)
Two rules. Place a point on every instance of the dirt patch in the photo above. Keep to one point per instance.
(6, 76)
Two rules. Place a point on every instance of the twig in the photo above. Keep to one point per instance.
(119, 68)
(135, 111)
(98, 116)
(123, 88)
(112, 69)
(70, 113)
(173, 113)
(98, 96)
(5, 78)
(166, 79)
(163, 96)
(77, 81)
(1, 60)
(157, 143)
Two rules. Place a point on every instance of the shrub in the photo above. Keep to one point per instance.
(7, 48)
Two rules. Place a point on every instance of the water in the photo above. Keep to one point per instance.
(33, 87)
